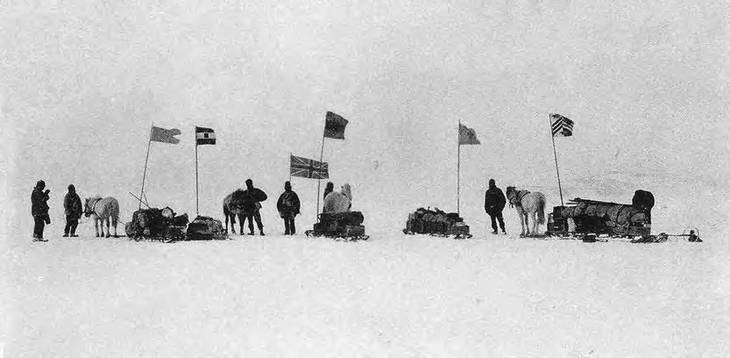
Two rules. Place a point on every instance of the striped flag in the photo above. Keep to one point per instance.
(561, 126)
(164, 135)
(308, 168)
(467, 135)
(334, 126)
(204, 136)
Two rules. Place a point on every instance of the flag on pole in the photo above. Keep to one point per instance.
(561, 126)
(467, 135)
(204, 136)
(308, 168)
(164, 135)
(334, 126)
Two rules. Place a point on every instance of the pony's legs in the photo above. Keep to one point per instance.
(532, 230)
(525, 224)
(96, 226)
(108, 224)
(114, 223)
(522, 220)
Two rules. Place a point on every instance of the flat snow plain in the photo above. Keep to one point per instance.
(394, 295)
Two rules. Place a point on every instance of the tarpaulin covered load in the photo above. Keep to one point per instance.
(345, 225)
(616, 213)
(427, 221)
(156, 223)
(205, 228)
(611, 218)
(347, 218)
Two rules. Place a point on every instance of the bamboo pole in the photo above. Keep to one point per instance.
(197, 212)
(458, 169)
(144, 174)
(319, 179)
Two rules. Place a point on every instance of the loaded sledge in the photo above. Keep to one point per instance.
(436, 223)
(346, 226)
(164, 225)
(588, 219)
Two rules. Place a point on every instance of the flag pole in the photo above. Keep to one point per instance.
(458, 169)
(196, 172)
(319, 176)
(555, 155)
(144, 174)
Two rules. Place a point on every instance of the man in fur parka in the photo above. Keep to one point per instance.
(73, 208)
(288, 206)
(494, 202)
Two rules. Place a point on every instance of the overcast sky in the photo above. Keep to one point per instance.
(81, 82)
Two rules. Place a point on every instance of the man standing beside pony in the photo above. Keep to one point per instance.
(252, 198)
(494, 202)
(72, 207)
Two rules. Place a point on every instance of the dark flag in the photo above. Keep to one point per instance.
(334, 126)
(164, 135)
(204, 136)
(308, 168)
(561, 126)
(467, 135)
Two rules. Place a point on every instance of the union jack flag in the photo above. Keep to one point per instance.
(308, 168)
(561, 126)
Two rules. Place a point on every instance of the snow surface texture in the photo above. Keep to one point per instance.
(390, 296)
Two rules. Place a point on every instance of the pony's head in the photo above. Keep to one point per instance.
(346, 191)
(89, 205)
(511, 195)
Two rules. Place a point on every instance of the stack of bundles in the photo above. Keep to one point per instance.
(352, 218)
(347, 223)
(426, 221)
(604, 217)
(154, 223)
(206, 228)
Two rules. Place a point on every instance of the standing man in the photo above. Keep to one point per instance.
(288, 206)
(72, 208)
(39, 209)
(330, 187)
(252, 198)
(494, 202)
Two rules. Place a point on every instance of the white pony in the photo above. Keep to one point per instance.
(100, 210)
(338, 202)
(527, 204)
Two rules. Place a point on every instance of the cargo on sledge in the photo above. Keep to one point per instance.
(588, 219)
(164, 225)
(345, 226)
(437, 223)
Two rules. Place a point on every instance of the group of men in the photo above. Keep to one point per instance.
(39, 209)
(250, 200)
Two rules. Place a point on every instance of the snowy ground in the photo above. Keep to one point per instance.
(395, 295)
